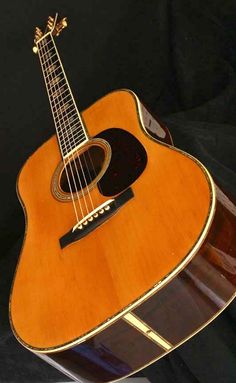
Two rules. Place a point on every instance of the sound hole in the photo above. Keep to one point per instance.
(82, 169)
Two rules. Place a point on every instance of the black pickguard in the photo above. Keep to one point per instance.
(128, 161)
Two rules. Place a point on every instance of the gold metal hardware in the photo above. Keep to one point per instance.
(50, 23)
(38, 34)
(59, 26)
(52, 28)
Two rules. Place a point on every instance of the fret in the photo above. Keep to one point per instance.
(75, 131)
(64, 127)
(70, 131)
(75, 137)
(55, 81)
(51, 69)
(75, 121)
(43, 42)
(45, 61)
(72, 144)
(60, 105)
(63, 109)
(48, 52)
(62, 99)
(71, 137)
(52, 82)
(69, 127)
(70, 116)
(57, 92)
(68, 113)
(72, 119)
(66, 150)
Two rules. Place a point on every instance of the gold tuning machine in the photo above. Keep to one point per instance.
(50, 23)
(37, 36)
(53, 27)
(60, 25)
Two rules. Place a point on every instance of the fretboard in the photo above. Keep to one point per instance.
(69, 126)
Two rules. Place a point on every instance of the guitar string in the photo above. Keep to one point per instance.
(54, 90)
(68, 131)
(67, 175)
(77, 136)
(77, 153)
(74, 128)
(73, 116)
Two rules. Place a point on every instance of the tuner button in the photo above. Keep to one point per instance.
(60, 25)
(50, 22)
(64, 22)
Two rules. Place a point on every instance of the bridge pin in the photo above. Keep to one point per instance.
(107, 207)
(85, 223)
(90, 219)
(101, 211)
(80, 227)
(95, 215)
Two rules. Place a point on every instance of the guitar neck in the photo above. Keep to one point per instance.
(70, 130)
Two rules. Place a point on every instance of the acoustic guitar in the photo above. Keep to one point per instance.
(129, 246)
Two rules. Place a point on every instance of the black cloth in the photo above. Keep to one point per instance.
(180, 58)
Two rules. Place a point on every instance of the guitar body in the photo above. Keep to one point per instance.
(141, 283)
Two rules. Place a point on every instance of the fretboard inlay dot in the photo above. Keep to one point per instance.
(69, 127)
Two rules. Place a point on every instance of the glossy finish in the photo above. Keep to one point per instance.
(68, 295)
(179, 310)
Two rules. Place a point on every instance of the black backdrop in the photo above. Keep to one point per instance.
(180, 58)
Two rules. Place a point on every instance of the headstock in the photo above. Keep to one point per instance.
(53, 27)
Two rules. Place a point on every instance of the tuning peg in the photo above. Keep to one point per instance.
(38, 34)
(60, 25)
(50, 23)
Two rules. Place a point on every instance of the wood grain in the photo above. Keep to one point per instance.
(178, 311)
(60, 295)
